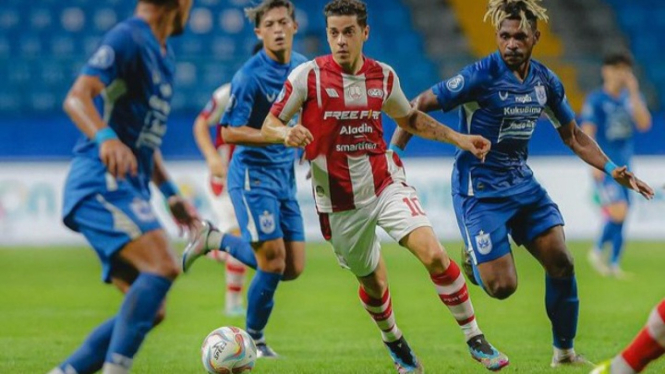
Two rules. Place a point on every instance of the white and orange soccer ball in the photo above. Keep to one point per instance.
(228, 350)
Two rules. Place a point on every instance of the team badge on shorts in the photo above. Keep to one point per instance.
(267, 222)
(483, 243)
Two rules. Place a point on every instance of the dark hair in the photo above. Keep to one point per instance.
(256, 13)
(347, 8)
(618, 58)
(167, 3)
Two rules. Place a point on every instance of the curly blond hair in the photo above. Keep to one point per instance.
(524, 10)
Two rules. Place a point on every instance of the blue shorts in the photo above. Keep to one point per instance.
(263, 216)
(610, 192)
(111, 220)
(486, 223)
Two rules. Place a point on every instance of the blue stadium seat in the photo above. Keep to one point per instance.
(61, 35)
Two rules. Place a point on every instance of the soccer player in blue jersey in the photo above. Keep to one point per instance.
(261, 177)
(120, 102)
(501, 98)
(610, 115)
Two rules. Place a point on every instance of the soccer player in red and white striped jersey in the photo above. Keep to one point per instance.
(217, 156)
(648, 345)
(359, 184)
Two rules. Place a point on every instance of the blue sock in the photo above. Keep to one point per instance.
(617, 243)
(562, 307)
(239, 249)
(89, 358)
(136, 317)
(260, 300)
(606, 235)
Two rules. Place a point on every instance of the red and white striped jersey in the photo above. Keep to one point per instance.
(350, 165)
(212, 113)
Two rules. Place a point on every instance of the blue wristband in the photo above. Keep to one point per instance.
(609, 167)
(105, 134)
(168, 189)
(396, 149)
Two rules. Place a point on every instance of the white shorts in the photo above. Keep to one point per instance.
(225, 216)
(353, 233)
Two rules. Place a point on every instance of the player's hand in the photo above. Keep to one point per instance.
(184, 214)
(475, 144)
(118, 158)
(298, 136)
(629, 180)
(631, 83)
(217, 167)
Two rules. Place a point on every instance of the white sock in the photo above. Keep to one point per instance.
(563, 353)
(110, 368)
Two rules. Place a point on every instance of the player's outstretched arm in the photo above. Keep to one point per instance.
(79, 106)
(589, 151)
(275, 131)
(423, 125)
(243, 135)
(425, 102)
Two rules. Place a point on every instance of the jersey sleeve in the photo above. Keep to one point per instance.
(114, 58)
(558, 108)
(216, 106)
(589, 110)
(459, 89)
(293, 94)
(396, 105)
(241, 100)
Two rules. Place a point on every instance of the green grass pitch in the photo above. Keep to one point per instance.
(51, 298)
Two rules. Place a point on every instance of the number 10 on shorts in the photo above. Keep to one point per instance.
(414, 206)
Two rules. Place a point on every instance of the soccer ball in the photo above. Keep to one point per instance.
(228, 350)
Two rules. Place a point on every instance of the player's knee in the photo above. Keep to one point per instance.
(293, 272)
(562, 266)
(169, 269)
(161, 315)
(435, 259)
(272, 257)
(501, 288)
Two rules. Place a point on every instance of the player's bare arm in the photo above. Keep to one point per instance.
(215, 163)
(640, 113)
(587, 149)
(243, 135)
(425, 102)
(182, 211)
(590, 128)
(275, 131)
(79, 106)
(423, 125)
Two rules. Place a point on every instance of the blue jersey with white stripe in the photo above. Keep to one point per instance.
(254, 89)
(136, 102)
(614, 124)
(495, 104)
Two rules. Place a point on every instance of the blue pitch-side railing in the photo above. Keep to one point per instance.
(52, 138)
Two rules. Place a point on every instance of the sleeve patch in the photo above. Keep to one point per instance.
(103, 58)
(456, 83)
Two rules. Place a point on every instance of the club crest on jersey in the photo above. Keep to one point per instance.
(355, 92)
(103, 58)
(267, 222)
(483, 243)
(456, 83)
(541, 95)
